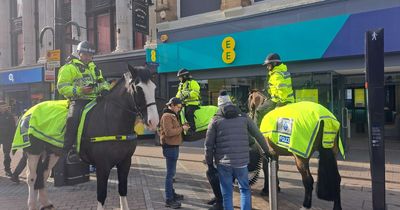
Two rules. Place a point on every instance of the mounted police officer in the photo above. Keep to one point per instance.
(279, 87)
(189, 93)
(80, 81)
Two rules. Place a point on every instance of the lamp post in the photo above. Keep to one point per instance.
(58, 32)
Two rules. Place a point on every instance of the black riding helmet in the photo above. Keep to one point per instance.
(184, 73)
(274, 59)
(85, 47)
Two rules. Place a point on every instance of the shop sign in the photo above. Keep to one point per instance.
(228, 50)
(141, 17)
(49, 75)
(21, 76)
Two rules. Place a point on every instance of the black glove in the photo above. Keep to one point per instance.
(104, 92)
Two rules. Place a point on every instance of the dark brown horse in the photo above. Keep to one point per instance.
(328, 186)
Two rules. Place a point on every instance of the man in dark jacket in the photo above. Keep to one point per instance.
(227, 142)
(7, 129)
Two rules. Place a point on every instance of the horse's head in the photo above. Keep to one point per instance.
(142, 90)
(255, 99)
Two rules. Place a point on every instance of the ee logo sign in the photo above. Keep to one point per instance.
(153, 56)
(228, 52)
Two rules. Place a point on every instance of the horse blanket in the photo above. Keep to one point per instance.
(295, 127)
(46, 121)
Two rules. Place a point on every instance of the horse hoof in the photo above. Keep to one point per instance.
(48, 207)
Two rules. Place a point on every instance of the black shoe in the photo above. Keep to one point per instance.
(212, 201)
(178, 197)
(8, 172)
(171, 203)
(15, 179)
(217, 206)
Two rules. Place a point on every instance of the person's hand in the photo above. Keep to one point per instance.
(185, 127)
(87, 90)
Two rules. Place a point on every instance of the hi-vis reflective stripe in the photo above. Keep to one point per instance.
(113, 138)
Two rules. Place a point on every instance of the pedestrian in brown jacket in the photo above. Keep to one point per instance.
(171, 137)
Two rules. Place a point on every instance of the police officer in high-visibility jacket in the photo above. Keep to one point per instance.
(80, 81)
(279, 87)
(189, 93)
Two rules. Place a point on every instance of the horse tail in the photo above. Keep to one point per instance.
(41, 167)
(328, 185)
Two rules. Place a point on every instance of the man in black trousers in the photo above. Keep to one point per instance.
(7, 130)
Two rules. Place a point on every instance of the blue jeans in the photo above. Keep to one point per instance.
(171, 155)
(226, 175)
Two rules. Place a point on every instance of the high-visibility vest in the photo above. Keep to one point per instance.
(280, 85)
(189, 92)
(75, 75)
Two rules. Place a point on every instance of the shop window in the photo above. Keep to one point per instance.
(238, 89)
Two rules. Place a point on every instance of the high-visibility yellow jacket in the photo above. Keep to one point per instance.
(280, 85)
(189, 92)
(75, 75)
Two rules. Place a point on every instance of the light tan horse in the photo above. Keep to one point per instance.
(328, 186)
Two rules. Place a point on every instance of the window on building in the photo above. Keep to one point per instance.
(20, 48)
(194, 7)
(17, 44)
(140, 40)
(101, 25)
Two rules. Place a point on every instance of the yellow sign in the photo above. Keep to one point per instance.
(228, 53)
(153, 56)
(307, 95)
(53, 55)
(359, 97)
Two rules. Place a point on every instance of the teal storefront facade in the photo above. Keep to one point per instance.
(325, 56)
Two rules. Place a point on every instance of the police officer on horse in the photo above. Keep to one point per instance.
(189, 93)
(279, 87)
(80, 81)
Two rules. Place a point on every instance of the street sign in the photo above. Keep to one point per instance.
(49, 75)
(375, 103)
(141, 17)
(53, 59)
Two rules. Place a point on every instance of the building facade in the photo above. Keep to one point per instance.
(223, 43)
(27, 34)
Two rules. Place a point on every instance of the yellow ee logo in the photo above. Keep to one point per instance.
(153, 56)
(228, 53)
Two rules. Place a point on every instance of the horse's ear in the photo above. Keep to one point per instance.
(133, 71)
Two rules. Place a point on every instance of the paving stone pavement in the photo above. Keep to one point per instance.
(146, 182)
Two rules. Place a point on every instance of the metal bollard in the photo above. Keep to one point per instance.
(273, 187)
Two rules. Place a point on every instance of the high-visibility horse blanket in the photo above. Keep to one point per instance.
(46, 121)
(295, 127)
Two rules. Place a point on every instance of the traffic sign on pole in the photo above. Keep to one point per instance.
(374, 85)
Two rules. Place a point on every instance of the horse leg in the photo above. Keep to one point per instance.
(102, 174)
(308, 181)
(123, 172)
(33, 161)
(43, 197)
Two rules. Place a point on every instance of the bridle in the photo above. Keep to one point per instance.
(135, 109)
